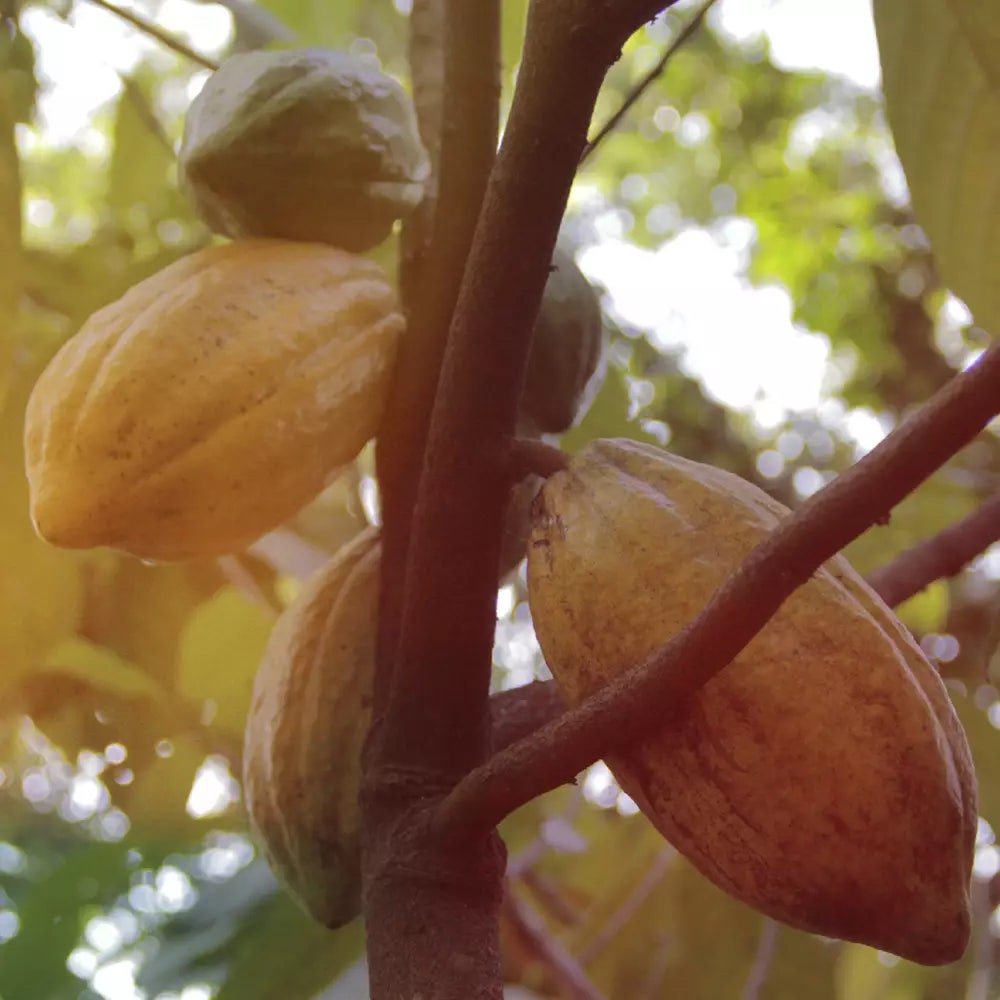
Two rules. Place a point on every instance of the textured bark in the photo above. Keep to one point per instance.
(432, 905)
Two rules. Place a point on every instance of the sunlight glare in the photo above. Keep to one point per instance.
(116, 980)
(224, 858)
(740, 340)
(10, 924)
(174, 891)
(213, 790)
(835, 36)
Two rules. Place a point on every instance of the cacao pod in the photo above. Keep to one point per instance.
(212, 401)
(566, 349)
(822, 777)
(310, 713)
(303, 144)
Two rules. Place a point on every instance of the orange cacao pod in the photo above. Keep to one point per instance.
(822, 777)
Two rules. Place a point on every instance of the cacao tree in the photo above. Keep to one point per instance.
(331, 502)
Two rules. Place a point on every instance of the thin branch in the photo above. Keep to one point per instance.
(239, 576)
(636, 702)
(547, 891)
(762, 959)
(644, 84)
(983, 943)
(651, 878)
(520, 711)
(145, 111)
(526, 859)
(163, 37)
(663, 954)
(565, 969)
(943, 555)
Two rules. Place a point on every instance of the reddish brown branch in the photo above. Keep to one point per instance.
(432, 915)
(163, 37)
(531, 457)
(944, 555)
(458, 102)
(637, 702)
(647, 81)
(437, 714)
(519, 712)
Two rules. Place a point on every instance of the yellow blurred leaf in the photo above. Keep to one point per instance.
(220, 648)
(102, 668)
(10, 234)
(40, 587)
(926, 611)
(156, 802)
(139, 611)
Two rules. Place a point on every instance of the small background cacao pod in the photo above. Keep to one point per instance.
(310, 714)
(822, 777)
(212, 401)
(566, 350)
(303, 144)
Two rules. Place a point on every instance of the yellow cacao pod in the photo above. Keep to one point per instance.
(823, 776)
(212, 401)
(308, 720)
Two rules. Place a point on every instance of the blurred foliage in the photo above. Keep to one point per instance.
(124, 861)
(942, 91)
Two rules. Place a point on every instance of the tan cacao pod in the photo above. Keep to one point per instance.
(310, 714)
(212, 401)
(303, 144)
(823, 776)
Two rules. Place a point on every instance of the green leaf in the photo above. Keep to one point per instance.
(101, 668)
(608, 415)
(141, 156)
(941, 78)
(248, 934)
(317, 22)
(41, 592)
(52, 916)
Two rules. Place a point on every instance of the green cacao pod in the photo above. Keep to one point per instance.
(823, 776)
(212, 401)
(303, 144)
(310, 713)
(566, 349)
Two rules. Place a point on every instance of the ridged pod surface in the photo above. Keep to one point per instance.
(303, 144)
(308, 720)
(212, 401)
(823, 776)
(566, 349)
